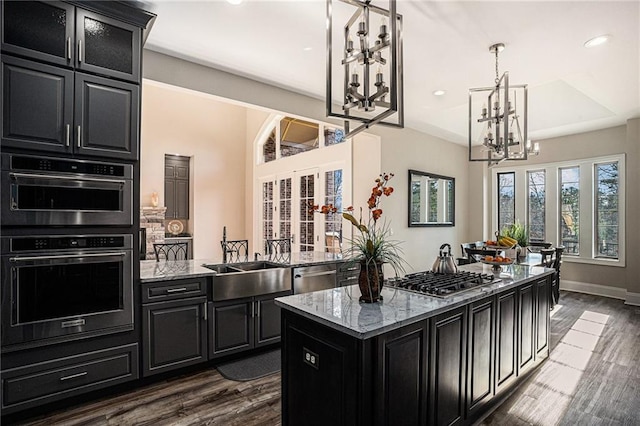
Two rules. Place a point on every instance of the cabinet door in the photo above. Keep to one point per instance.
(232, 327)
(37, 105)
(39, 30)
(542, 318)
(106, 117)
(480, 361)
(106, 46)
(448, 353)
(182, 199)
(268, 323)
(170, 198)
(174, 333)
(526, 327)
(506, 330)
(401, 376)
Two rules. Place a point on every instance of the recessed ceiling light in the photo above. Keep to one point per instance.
(306, 49)
(234, 2)
(597, 41)
(439, 92)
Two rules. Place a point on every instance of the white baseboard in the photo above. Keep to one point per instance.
(632, 299)
(596, 289)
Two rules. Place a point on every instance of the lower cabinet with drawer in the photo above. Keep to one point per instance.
(44, 382)
(174, 325)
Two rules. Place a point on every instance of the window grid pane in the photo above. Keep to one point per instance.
(267, 211)
(506, 199)
(284, 217)
(570, 209)
(607, 217)
(333, 222)
(297, 136)
(536, 205)
(269, 148)
(307, 195)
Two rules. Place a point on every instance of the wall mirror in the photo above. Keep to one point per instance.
(431, 199)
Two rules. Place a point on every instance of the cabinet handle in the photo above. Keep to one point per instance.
(79, 50)
(68, 136)
(79, 135)
(253, 309)
(69, 48)
(73, 376)
(258, 306)
(176, 290)
(204, 306)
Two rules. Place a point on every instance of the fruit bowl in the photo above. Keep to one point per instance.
(497, 265)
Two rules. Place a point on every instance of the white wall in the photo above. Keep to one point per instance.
(213, 134)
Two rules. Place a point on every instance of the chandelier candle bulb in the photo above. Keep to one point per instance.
(349, 44)
(379, 76)
(354, 79)
(383, 28)
(536, 147)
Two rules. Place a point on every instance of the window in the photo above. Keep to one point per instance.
(606, 205)
(297, 136)
(284, 213)
(506, 199)
(333, 222)
(583, 202)
(570, 209)
(306, 215)
(432, 202)
(269, 147)
(536, 205)
(267, 210)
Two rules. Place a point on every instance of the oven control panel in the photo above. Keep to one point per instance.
(64, 242)
(39, 164)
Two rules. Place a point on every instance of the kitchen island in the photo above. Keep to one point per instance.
(412, 359)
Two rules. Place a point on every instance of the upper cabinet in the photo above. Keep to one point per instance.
(62, 34)
(53, 109)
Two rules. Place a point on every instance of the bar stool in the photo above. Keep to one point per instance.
(171, 251)
(235, 251)
(279, 249)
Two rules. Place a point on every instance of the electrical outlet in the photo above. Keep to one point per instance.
(311, 358)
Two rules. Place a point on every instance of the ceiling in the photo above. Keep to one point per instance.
(572, 89)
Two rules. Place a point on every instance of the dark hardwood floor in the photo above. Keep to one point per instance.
(591, 378)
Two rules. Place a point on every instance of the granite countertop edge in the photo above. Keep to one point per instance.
(310, 305)
(151, 271)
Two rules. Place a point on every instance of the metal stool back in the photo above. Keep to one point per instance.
(171, 251)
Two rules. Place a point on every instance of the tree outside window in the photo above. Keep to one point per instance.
(536, 205)
(570, 209)
(506, 199)
(607, 215)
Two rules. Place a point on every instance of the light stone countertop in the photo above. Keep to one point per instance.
(150, 270)
(340, 309)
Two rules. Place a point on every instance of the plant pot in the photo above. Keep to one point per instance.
(370, 281)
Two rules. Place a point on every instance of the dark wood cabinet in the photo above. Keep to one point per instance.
(38, 111)
(62, 34)
(40, 30)
(106, 117)
(107, 46)
(174, 325)
(543, 287)
(37, 105)
(242, 324)
(231, 328)
(401, 376)
(347, 274)
(506, 339)
(481, 354)
(59, 378)
(526, 326)
(176, 186)
(448, 334)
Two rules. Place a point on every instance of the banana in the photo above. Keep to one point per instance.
(507, 242)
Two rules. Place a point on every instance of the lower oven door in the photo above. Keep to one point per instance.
(52, 298)
(40, 199)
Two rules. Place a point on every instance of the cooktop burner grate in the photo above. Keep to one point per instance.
(442, 285)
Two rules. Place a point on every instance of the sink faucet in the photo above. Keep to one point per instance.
(256, 256)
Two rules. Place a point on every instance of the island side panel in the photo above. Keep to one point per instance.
(322, 380)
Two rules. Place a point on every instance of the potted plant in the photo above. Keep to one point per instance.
(518, 232)
(371, 246)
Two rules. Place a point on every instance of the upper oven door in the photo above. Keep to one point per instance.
(52, 296)
(48, 199)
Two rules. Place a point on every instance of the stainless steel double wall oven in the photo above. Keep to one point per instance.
(67, 249)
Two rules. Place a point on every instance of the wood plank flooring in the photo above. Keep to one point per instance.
(591, 378)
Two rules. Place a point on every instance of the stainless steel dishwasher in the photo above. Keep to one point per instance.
(313, 278)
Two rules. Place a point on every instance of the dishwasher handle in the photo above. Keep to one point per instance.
(314, 274)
